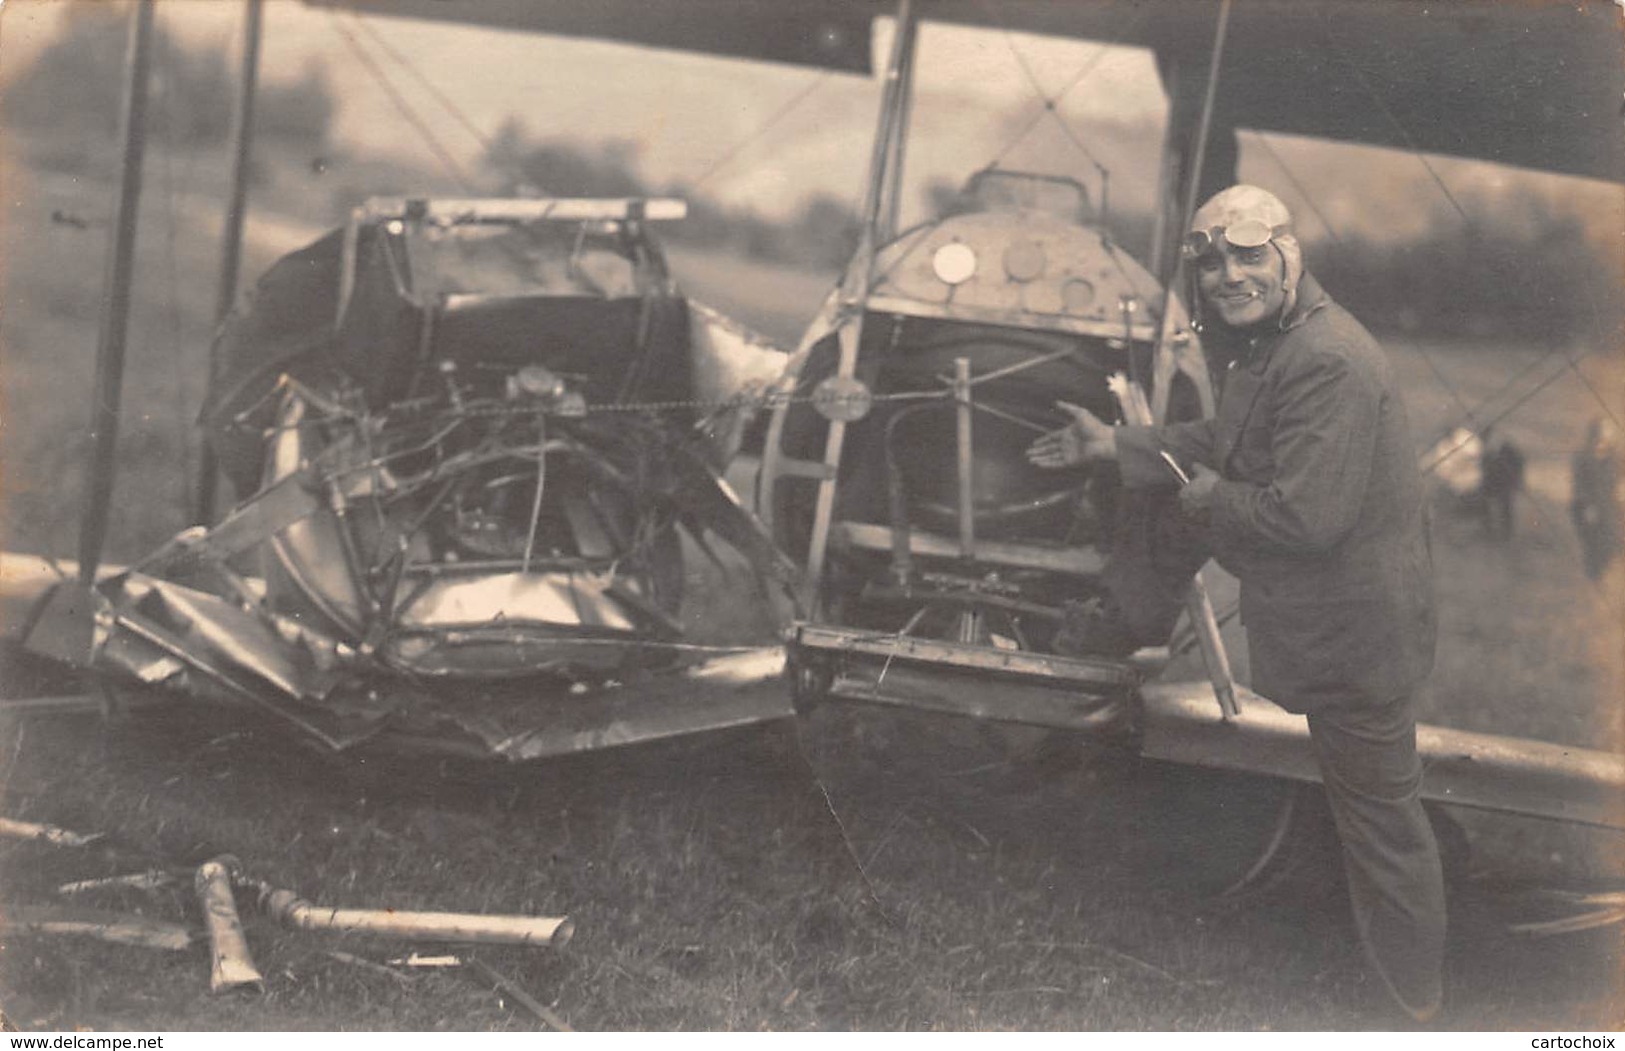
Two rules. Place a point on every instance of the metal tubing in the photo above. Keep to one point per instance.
(116, 306)
(1205, 125)
(1083, 561)
(1197, 157)
(892, 98)
(449, 211)
(855, 288)
(964, 458)
(824, 510)
(887, 221)
(1215, 658)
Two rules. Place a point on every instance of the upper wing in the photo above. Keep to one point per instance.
(1531, 83)
(830, 33)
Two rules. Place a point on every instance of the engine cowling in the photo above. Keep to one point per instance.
(1042, 308)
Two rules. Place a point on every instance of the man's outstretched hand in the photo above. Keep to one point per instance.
(1086, 438)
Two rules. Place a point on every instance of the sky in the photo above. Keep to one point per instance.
(685, 112)
(764, 137)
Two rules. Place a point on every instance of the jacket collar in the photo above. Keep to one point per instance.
(1311, 300)
(1251, 348)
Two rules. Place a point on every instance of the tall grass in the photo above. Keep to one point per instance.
(857, 870)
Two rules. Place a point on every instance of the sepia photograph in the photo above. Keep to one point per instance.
(829, 516)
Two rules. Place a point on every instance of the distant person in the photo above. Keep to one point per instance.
(1501, 464)
(1306, 487)
(1594, 503)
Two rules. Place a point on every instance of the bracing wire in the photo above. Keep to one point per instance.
(1509, 384)
(403, 107)
(1140, 12)
(1410, 143)
(1291, 177)
(1086, 68)
(1050, 103)
(446, 103)
(1365, 85)
(761, 130)
(1467, 412)
(1570, 362)
(485, 140)
(1591, 300)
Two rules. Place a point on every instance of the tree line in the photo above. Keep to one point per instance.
(1513, 265)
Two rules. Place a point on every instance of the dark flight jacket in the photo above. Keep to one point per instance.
(1320, 513)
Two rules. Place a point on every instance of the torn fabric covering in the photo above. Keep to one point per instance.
(169, 635)
(160, 633)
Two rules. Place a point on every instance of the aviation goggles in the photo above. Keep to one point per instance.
(1245, 233)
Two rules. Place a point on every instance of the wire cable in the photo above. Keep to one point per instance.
(761, 129)
(1410, 143)
(1596, 330)
(403, 107)
(1138, 14)
(1291, 177)
(1050, 103)
(1086, 68)
(1415, 151)
(1509, 410)
(1468, 413)
(457, 114)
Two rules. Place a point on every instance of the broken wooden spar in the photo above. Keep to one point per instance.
(118, 928)
(152, 879)
(57, 837)
(291, 909)
(230, 964)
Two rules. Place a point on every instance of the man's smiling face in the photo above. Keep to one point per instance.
(1244, 285)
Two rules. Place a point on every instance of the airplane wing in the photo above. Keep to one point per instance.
(832, 34)
(1535, 85)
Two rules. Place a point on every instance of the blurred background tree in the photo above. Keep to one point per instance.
(73, 89)
(1510, 265)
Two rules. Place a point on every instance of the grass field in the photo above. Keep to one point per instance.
(854, 870)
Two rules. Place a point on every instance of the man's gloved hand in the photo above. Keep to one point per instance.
(1196, 498)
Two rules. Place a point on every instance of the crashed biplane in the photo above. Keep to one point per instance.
(932, 566)
(467, 436)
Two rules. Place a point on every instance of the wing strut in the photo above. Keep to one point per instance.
(879, 209)
(231, 253)
(116, 307)
(1170, 344)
